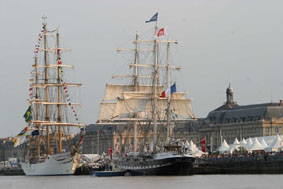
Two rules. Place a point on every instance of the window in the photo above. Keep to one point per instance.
(276, 130)
(267, 130)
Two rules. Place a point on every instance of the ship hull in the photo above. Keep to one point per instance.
(170, 166)
(59, 164)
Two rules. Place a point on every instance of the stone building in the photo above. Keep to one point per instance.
(7, 149)
(232, 120)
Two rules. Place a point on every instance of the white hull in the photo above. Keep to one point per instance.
(58, 164)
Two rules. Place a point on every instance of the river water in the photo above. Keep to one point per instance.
(145, 182)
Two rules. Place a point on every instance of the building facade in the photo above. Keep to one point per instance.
(120, 135)
(231, 121)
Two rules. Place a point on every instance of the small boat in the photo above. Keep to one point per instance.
(108, 173)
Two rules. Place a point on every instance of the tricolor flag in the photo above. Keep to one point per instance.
(160, 32)
(172, 90)
(153, 19)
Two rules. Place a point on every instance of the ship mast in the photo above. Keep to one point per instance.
(136, 77)
(169, 94)
(46, 89)
(59, 94)
(155, 78)
(136, 83)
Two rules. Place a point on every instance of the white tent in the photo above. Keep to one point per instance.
(236, 142)
(249, 143)
(275, 145)
(263, 143)
(234, 146)
(243, 142)
(255, 146)
(224, 147)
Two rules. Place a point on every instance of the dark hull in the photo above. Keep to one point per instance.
(160, 167)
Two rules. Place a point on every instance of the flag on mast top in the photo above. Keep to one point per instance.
(153, 19)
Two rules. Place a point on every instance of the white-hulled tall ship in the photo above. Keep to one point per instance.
(144, 103)
(54, 133)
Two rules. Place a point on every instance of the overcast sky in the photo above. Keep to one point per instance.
(220, 41)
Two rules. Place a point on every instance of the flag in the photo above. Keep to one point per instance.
(35, 133)
(28, 115)
(18, 140)
(160, 32)
(203, 144)
(154, 18)
(23, 132)
(172, 90)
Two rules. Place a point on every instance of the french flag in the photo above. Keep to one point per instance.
(173, 89)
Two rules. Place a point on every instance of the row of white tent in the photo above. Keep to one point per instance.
(268, 144)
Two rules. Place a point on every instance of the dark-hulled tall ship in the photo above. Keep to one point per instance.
(150, 105)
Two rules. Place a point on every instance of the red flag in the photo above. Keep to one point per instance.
(203, 146)
(160, 32)
(110, 152)
(163, 94)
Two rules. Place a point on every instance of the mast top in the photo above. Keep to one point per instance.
(44, 18)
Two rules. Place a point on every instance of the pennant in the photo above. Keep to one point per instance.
(28, 115)
(160, 32)
(153, 19)
(59, 61)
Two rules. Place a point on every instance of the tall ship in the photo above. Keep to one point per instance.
(146, 102)
(54, 132)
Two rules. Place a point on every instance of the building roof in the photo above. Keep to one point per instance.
(254, 112)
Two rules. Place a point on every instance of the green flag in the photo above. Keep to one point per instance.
(28, 115)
